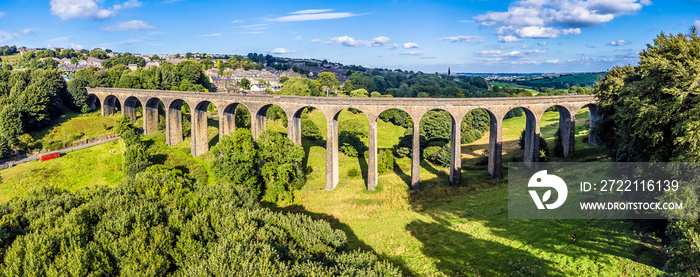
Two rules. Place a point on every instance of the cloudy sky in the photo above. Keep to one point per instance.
(468, 36)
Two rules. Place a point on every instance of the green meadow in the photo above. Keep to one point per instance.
(441, 230)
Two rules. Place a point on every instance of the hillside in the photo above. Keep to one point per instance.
(442, 230)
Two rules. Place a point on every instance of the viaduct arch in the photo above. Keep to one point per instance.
(257, 105)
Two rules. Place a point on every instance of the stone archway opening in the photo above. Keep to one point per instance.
(557, 129)
(436, 137)
(352, 135)
(93, 102)
(231, 117)
(111, 105)
(178, 124)
(521, 136)
(395, 143)
(153, 116)
(133, 108)
(480, 143)
(271, 117)
(201, 137)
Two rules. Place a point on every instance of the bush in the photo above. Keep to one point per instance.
(309, 130)
(385, 162)
(439, 155)
(234, 161)
(53, 145)
(516, 112)
(348, 149)
(353, 172)
(159, 223)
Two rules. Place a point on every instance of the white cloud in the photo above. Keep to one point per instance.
(488, 53)
(8, 36)
(69, 9)
(512, 53)
(297, 38)
(392, 47)
(132, 4)
(2, 14)
(316, 40)
(313, 14)
(350, 41)
(409, 45)
(468, 39)
(311, 11)
(211, 35)
(280, 50)
(132, 25)
(553, 18)
(544, 32)
(412, 53)
(381, 40)
(542, 43)
(508, 39)
(620, 42)
(428, 57)
(536, 51)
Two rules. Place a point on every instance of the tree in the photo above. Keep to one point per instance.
(301, 87)
(244, 83)
(651, 113)
(77, 92)
(235, 160)
(328, 81)
(359, 93)
(280, 166)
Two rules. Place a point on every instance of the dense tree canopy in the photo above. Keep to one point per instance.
(160, 223)
(651, 112)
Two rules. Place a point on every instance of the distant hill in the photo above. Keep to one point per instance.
(562, 81)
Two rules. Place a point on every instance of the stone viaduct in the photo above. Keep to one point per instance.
(567, 105)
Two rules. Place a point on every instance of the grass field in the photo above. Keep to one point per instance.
(442, 230)
(75, 127)
(88, 167)
(446, 230)
(12, 58)
(514, 85)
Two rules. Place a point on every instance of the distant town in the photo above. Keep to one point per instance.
(268, 78)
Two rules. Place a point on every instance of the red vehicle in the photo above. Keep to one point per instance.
(50, 156)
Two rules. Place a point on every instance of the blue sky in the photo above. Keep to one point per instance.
(467, 36)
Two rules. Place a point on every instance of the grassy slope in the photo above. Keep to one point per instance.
(88, 167)
(74, 127)
(447, 229)
(440, 230)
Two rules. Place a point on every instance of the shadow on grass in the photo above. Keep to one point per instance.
(509, 246)
(353, 241)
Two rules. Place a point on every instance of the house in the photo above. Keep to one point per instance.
(257, 88)
(154, 63)
(82, 62)
(71, 68)
(94, 62)
(133, 66)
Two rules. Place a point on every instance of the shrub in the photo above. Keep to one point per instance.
(160, 223)
(439, 155)
(353, 172)
(309, 130)
(234, 161)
